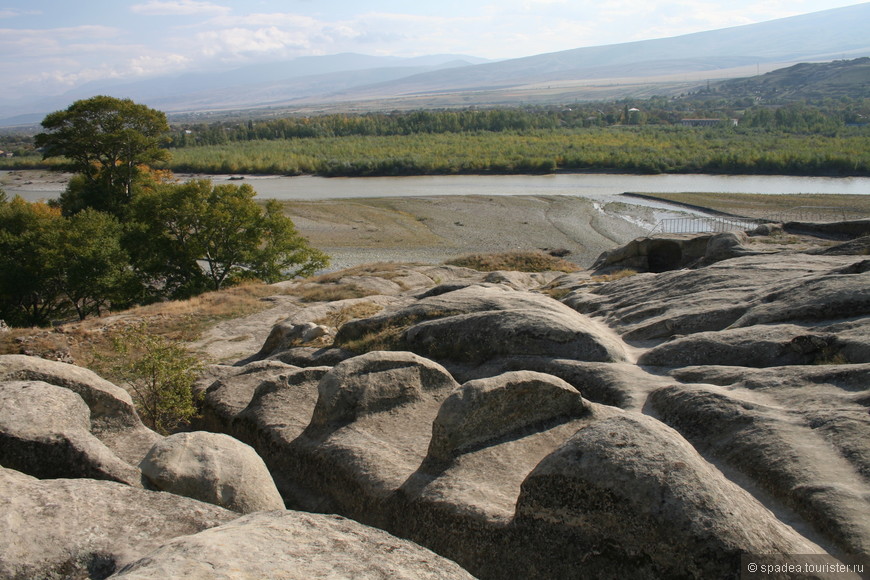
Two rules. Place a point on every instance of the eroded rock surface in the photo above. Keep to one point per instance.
(292, 546)
(214, 468)
(45, 432)
(113, 417)
(636, 499)
(644, 425)
(82, 528)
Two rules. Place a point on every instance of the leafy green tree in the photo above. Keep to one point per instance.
(283, 252)
(161, 374)
(198, 236)
(94, 267)
(52, 266)
(106, 142)
(30, 285)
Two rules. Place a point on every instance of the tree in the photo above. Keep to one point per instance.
(30, 287)
(283, 253)
(94, 268)
(224, 229)
(106, 141)
(52, 266)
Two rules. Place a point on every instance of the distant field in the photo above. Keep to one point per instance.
(797, 207)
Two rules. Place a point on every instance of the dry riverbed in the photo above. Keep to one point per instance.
(434, 229)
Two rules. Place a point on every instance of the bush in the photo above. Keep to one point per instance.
(160, 373)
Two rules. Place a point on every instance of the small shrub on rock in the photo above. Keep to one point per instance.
(160, 374)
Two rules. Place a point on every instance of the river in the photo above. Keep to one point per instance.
(593, 186)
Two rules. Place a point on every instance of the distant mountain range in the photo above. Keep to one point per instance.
(358, 82)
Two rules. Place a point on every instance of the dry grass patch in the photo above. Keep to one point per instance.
(515, 261)
(330, 292)
(345, 314)
(90, 343)
(617, 275)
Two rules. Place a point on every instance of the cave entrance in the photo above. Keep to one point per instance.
(664, 255)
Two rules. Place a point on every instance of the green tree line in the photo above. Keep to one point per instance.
(826, 116)
(124, 234)
(828, 137)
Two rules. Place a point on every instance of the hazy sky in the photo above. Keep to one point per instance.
(50, 46)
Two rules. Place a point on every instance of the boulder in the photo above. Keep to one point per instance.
(377, 382)
(462, 499)
(623, 385)
(485, 410)
(480, 336)
(82, 528)
(227, 396)
(656, 307)
(307, 356)
(370, 430)
(213, 468)
(628, 497)
(291, 545)
(110, 405)
(45, 432)
(725, 246)
(278, 413)
(298, 329)
(113, 416)
(464, 300)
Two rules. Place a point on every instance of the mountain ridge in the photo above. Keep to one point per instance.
(360, 82)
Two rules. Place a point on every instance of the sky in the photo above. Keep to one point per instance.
(48, 47)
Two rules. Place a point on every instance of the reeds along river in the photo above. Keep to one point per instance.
(595, 186)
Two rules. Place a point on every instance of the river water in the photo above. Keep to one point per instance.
(593, 186)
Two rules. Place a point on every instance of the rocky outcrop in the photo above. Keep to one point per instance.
(292, 546)
(112, 415)
(633, 498)
(486, 410)
(213, 468)
(82, 528)
(473, 324)
(762, 440)
(45, 432)
(644, 425)
(229, 394)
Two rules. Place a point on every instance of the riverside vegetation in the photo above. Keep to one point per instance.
(820, 136)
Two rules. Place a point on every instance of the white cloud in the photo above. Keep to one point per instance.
(13, 13)
(230, 43)
(178, 8)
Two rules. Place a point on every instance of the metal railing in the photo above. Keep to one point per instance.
(702, 225)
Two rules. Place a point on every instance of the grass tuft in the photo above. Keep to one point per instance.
(515, 261)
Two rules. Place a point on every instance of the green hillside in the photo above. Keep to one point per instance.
(806, 81)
